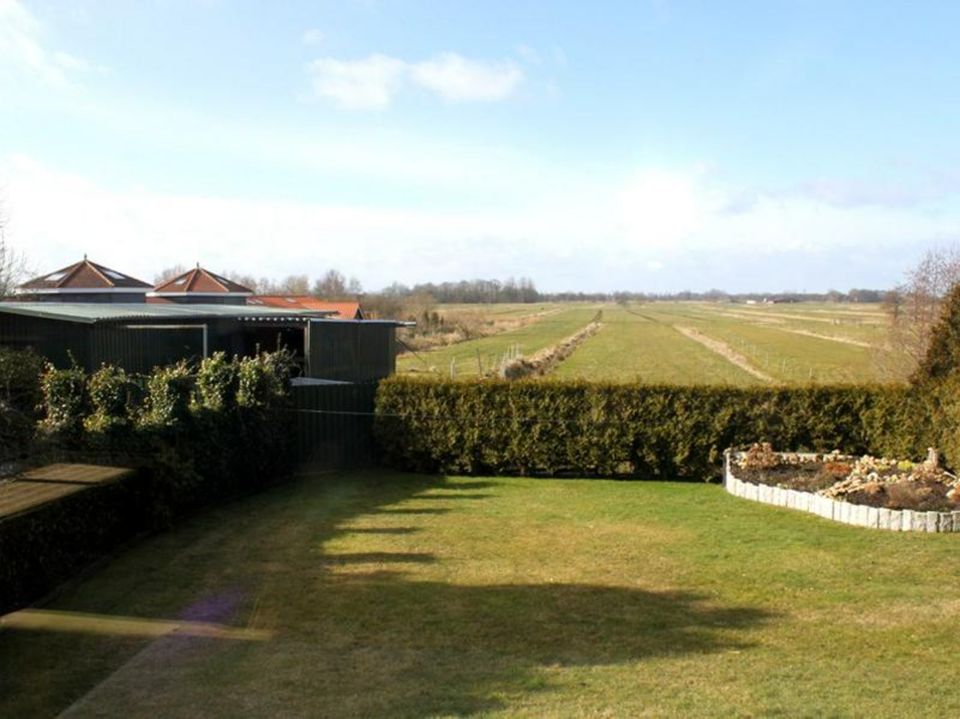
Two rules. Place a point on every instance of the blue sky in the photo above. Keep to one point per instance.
(648, 146)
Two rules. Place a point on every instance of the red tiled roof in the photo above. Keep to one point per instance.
(84, 275)
(344, 310)
(201, 281)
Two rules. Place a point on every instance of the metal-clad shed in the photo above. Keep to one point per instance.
(142, 336)
(352, 350)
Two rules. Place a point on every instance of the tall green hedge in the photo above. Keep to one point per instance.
(194, 435)
(645, 431)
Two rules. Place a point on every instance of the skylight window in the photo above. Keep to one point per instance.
(56, 276)
(182, 281)
(114, 275)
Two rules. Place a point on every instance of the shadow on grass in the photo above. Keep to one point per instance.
(419, 510)
(394, 531)
(343, 642)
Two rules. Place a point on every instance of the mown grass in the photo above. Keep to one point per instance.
(466, 359)
(403, 596)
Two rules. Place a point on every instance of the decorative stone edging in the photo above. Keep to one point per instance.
(897, 520)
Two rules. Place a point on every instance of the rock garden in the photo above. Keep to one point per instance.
(887, 493)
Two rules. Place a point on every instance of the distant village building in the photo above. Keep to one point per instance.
(200, 286)
(89, 314)
(340, 310)
(84, 281)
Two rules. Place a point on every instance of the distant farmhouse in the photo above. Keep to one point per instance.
(91, 314)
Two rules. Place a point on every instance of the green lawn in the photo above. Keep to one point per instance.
(466, 358)
(393, 595)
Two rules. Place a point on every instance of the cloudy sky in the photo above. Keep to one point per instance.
(644, 145)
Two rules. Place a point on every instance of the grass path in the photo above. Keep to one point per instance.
(403, 596)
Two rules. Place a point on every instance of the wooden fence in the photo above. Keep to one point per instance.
(334, 425)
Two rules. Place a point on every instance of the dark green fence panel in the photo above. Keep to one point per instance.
(334, 425)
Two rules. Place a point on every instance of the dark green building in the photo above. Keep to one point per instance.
(141, 336)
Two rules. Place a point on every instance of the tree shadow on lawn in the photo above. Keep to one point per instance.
(344, 642)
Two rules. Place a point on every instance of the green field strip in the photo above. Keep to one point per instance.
(467, 358)
(500, 311)
(633, 348)
(842, 327)
(793, 358)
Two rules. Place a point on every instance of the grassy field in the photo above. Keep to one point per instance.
(465, 359)
(402, 596)
(632, 346)
(782, 344)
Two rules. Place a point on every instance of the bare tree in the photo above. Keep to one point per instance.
(168, 273)
(248, 281)
(914, 308)
(334, 286)
(13, 265)
(295, 285)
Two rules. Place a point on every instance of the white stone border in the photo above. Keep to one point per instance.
(896, 520)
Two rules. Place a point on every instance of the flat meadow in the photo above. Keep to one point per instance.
(686, 343)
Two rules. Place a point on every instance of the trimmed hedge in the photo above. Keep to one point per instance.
(195, 437)
(644, 431)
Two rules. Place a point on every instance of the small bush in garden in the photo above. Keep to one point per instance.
(20, 399)
(65, 402)
(20, 372)
(264, 380)
(109, 390)
(218, 381)
(760, 456)
(169, 391)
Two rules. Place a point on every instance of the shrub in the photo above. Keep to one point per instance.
(264, 380)
(217, 383)
(65, 402)
(20, 398)
(109, 391)
(607, 430)
(169, 393)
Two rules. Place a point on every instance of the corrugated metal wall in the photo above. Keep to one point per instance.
(56, 341)
(140, 350)
(352, 351)
(334, 425)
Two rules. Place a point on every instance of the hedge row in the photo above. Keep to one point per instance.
(194, 436)
(646, 431)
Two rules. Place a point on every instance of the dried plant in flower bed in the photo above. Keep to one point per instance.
(871, 481)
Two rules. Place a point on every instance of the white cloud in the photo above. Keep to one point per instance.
(458, 79)
(313, 36)
(23, 50)
(665, 230)
(367, 84)
(371, 83)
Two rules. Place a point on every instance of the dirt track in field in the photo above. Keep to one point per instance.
(724, 350)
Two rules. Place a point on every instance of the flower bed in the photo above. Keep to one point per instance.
(867, 491)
